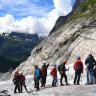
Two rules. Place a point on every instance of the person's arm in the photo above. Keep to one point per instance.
(47, 65)
(86, 61)
(74, 66)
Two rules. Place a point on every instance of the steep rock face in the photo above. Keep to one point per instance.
(62, 19)
(76, 37)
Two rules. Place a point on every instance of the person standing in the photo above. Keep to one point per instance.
(16, 82)
(94, 72)
(54, 75)
(22, 82)
(42, 77)
(37, 76)
(62, 70)
(45, 67)
(78, 67)
(90, 62)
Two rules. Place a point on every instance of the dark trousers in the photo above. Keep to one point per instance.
(63, 75)
(77, 77)
(37, 83)
(21, 85)
(17, 86)
(43, 81)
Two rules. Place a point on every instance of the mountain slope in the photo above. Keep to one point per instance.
(75, 37)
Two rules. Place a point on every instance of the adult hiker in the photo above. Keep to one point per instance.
(90, 62)
(37, 76)
(42, 79)
(94, 72)
(62, 70)
(78, 67)
(22, 82)
(54, 75)
(16, 82)
(45, 67)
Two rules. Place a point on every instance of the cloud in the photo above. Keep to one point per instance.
(40, 24)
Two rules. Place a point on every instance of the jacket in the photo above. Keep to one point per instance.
(75, 65)
(37, 73)
(53, 72)
(90, 61)
(22, 78)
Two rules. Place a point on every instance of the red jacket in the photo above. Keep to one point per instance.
(53, 72)
(22, 78)
(76, 62)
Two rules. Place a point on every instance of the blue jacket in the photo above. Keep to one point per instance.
(37, 73)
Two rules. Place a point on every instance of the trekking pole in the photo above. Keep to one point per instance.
(81, 78)
(68, 70)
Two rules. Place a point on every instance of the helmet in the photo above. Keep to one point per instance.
(65, 61)
(78, 57)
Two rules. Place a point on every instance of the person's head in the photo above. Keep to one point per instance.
(44, 63)
(16, 72)
(64, 61)
(21, 73)
(35, 66)
(55, 65)
(78, 57)
(89, 55)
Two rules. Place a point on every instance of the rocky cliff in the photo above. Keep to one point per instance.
(76, 37)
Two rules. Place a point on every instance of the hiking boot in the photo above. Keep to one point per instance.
(78, 84)
(15, 92)
(62, 84)
(67, 84)
(41, 85)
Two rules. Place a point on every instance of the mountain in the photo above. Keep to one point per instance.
(63, 19)
(16, 48)
(71, 37)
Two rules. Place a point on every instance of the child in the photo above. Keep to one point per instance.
(54, 75)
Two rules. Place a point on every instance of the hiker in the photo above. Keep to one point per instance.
(62, 70)
(45, 67)
(94, 73)
(42, 77)
(22, 82)
(78, 67)
(16, 82)
(54, 75)
(37, 77)
(90, 62)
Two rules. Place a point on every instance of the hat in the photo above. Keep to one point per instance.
(55, 65)
(16, 72)
(89, 54)
(78, 57)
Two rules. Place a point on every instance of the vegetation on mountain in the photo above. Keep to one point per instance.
(16, 48)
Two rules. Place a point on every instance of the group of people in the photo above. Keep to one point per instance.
(19, 82)
(40, 74)
(78, 66)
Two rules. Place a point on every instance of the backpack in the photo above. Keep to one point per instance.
(79, 66)
(60, 67)
(39, 73)
(42, 72)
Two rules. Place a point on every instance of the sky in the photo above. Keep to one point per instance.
(32, 16)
